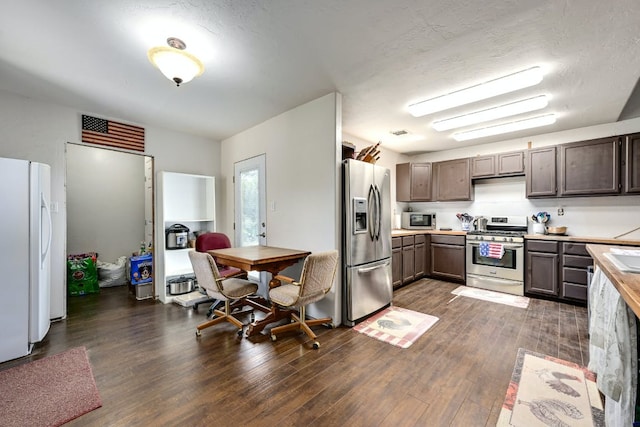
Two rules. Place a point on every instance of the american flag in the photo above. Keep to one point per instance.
(112, 134)
(491, 250)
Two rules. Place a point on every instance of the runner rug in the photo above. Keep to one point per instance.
(397, 326)
(545, 391)
(49, 391)
(485, 295)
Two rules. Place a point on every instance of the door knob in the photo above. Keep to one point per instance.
(263, 234)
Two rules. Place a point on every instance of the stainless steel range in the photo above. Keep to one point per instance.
(495, 257)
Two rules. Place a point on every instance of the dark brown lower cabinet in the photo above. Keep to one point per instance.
(408, 259)
(575, 261)
(448, 257)
(557, 269)
(419, 256)
(541, 275)
(396, 261)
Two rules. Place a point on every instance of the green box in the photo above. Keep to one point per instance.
(82, 274)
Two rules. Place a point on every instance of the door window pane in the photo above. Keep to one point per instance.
(249, 202)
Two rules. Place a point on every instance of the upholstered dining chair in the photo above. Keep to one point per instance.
(212, 240)
(216, 286)
(316, 279)
(209, 241)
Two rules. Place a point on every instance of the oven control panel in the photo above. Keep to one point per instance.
(495, 238)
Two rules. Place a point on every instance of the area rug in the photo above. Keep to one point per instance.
(49, 391)
(397, 326)
(545, 391)
(499, 297)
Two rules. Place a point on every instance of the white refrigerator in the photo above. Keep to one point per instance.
(25, 262)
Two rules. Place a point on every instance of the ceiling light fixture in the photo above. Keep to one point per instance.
(526, 78)
(506, 110)
(176, 64)
(547, 119)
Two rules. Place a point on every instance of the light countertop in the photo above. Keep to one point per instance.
(560, 238)
(586, 239)
(402, 232)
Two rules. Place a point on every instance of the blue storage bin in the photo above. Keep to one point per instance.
(141, 269)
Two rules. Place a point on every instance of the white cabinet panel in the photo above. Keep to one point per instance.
(181, 199)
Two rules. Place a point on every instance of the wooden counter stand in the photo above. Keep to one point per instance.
(628, 284)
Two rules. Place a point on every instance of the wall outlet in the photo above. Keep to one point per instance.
(560, 211)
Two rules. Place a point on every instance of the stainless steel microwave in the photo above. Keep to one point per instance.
(418, 221)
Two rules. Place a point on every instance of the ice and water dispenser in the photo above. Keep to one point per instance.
(359, 215)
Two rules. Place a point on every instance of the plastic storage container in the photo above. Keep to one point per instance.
(143, 291)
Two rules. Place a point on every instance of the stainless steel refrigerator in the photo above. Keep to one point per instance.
(24, 256)
(366, 276)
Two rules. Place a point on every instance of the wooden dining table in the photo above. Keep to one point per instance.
(261, 258)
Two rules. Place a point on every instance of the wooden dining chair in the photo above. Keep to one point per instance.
(316, 280)
(216, 286)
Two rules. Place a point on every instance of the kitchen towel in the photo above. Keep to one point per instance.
(491, 250)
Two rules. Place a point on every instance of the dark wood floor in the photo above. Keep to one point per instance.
(152, 370)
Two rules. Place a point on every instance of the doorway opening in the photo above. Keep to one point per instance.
(110, 207)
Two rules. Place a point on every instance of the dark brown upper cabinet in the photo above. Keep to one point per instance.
(541, 172)
(590, 168)
(483, 166)
(413, 182)
(452, 180)
(497, 165)
(632, 164)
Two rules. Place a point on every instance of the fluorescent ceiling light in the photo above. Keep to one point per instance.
(506, 84)
(547, 119)
(506, 110)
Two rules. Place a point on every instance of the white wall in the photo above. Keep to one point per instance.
(38, 131)
(302, 169)
(105, 202)
(584, 216)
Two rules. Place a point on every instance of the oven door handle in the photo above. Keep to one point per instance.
(505, 245)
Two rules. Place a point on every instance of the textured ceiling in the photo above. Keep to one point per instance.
(264, 57)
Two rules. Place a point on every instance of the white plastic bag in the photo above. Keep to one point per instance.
(112, 274)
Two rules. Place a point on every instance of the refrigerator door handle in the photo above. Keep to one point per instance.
(45, 205)
(371, 198)
(378, 212)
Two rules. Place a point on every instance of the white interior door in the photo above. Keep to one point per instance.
(251, 205)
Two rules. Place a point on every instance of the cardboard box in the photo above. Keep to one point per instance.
(141, 269)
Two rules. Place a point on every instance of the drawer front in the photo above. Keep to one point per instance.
(407, 240)
(574, 275)
(396, 242)
(420, 238)
(575, 248)
(576, 261)
(542, 246)
(447, 240)
(575, 292)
